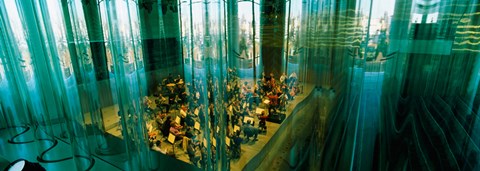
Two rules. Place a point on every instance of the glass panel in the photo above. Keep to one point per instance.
(91, 102)
(180, 84)
(294, 48)
(22, 70)
(48, 75)
(122, 32)
(245, 57)
(61, 59)
(8, 103)
(22, 64)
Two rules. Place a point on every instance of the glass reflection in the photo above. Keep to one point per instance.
(246, 52)
(7, 103)
(65, 81)
(130, 87)
(20, 62)
(394, 81)
(294, 46)
(88, 89)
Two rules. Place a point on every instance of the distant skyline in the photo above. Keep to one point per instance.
(379, 7)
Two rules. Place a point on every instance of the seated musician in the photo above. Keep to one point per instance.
(163, 102)
(190, 133)
(175, 130)
(193, 152)
(159, 90)
(236, 145)
(156, 146)
(255, 98)
(245, 87)
(190, 119)
(292, 79)
(292, 93)
(267, 77)
(167, 123)
(160, 118)
(245, 112)
(236, 107)
(273, 102)
(283, 78)
(178, 79)
(263, 121)
(170, 79)
(148, 103)
(282, 101)
(272, 83)
(180, 91)
(234, 119)
(183, 111)
(171, 98)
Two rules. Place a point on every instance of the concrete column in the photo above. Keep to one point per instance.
(160, 31)
(232, 18)
(272, 31)
(95, 34)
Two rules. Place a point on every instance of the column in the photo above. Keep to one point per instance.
(272, 30)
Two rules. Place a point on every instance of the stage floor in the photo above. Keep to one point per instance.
(248, 150)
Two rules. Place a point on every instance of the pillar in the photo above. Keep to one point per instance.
(272, 31)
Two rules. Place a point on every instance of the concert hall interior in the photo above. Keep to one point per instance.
(239, 85)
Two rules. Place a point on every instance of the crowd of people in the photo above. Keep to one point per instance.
(178, 109)
(184, 110)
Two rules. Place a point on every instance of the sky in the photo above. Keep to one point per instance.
(379, 7)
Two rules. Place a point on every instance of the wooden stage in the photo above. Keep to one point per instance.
(249, 149)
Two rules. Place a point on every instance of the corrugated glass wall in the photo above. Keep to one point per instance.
(240, 84)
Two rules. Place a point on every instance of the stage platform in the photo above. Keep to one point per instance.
(250, 149)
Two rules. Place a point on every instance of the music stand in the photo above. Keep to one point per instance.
(196, 111)
(259, 111)
(177, 120)
(197, 126)
(227, 141)
(236, 128)
(247, 118)
(171, 139)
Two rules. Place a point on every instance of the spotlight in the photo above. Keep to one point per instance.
(24, 165)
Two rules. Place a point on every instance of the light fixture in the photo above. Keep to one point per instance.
(24, 165)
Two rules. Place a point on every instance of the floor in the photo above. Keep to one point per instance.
(29, 151)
